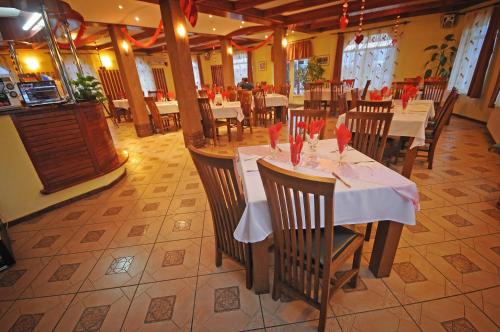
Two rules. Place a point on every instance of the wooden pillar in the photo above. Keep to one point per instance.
(279, 57)
(130, 79)
(227, 62)
(182, 70)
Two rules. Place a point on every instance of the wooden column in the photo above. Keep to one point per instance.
(182, 70)
(279, 57)
(227, 62)
(130, 79)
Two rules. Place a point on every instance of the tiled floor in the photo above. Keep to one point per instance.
(140, 256)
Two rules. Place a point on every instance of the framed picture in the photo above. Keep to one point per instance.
(323, 60)
(261, 66)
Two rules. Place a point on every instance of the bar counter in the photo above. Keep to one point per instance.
(52, 154)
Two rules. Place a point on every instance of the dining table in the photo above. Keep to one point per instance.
(365, 191)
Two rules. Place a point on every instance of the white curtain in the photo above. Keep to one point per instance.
(471, 41)
(373, 59)
(145, 74)
(196, 72)
(240, 64)
(72, 69)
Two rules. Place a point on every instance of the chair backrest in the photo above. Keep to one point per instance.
(246, 103)
(203, 93)
(440, 112)
(369, 132)
(284, 90)
(207, 117)
(349, 83)
(365, 90)
(232, 95)
(240, 93)
(316, 94)
(398, 88)
(259, 101)
(296, 203)
(373, 106)
(155, 94)
(305, 115)
(226, 199)
(354, 97)
(445, 114)
(112, 107)
(342, 102)
(434, 91)
(155, 114)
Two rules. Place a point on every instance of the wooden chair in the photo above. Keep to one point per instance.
(246, 107)
(316, 95)
(349, 83)
(354, 97)
(211, 125)
(232, 95)
(369, 136)
(155, 93)
(203, 93)
(284, 90)
(117, 112)
(432, 136)
(227, 203)
(434, 91)
(342, 104)
(374, 106)
(307, 255)
(336, 89)
(160, 122)
(365, 90)
(398, 88)
(431, 124)
(261, 113)
(306, 116)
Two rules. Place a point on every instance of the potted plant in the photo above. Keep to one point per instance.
(441, 61)
(88, 88)
(313, 73)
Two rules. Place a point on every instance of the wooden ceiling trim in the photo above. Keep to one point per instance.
(247, 4)
(293, 6)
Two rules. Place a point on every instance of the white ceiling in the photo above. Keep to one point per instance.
(107, 11)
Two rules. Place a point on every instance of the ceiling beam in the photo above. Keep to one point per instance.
(249, 31)
(246, 4)
(293, 6)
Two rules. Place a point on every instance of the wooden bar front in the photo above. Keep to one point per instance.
(67, 144)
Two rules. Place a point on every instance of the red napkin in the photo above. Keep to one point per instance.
(404, 100)
(265, 88)
(295, 149)
(159, 95)
(211, 96)
(274, 134)
(302, 125)
(343, 136)
(224, 95)
(315, 127)
(410, 90)
(385, 92)
(349, 83)
(171, 96)
(374, 95)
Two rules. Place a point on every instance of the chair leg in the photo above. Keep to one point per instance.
(229, 130)
(430, 156)
(368, 231)
(322, 317)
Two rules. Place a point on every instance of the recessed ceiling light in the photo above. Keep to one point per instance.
(210, 16)
(242, 22)
(241, 26)
(213, 29)
(137, 19)
(120, 7)
(265, 36)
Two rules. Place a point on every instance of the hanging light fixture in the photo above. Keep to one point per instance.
(396, 31)
(343, 19)
(359, 35)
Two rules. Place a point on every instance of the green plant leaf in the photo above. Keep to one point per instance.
(443, 60)
(444, 46)
(449, 37)
(454, 48)
(428, 73)
(431, 47)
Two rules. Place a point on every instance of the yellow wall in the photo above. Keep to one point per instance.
(260, 55)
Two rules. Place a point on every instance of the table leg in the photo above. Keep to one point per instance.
(260, 266)
(410, 157)
(384, 247)
(239, 130)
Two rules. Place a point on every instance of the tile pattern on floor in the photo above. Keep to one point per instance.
(140, 255)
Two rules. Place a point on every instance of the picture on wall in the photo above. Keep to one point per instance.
(261, 66)
(323, 60)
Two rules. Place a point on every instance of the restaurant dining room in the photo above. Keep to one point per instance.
(249, 165)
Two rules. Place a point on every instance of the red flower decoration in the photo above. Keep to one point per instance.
(343, 22)
(343, 136)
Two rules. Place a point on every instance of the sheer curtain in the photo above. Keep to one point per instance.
(240, 64)
(471, 41)
(373, 59)
(146, 77)
(196, 73)
(72, 69)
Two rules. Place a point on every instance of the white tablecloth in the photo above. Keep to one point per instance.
(229, 109)
(276, 100)
(164, 107)
(409, 123)
(363, 202)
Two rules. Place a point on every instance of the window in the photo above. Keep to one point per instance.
(299, 66)
(240, 64)
(196, 73)
(468, 51)
(373, 59)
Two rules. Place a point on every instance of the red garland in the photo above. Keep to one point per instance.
(253, 48)
(76, 41)
(148, 43)
(190, 11)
